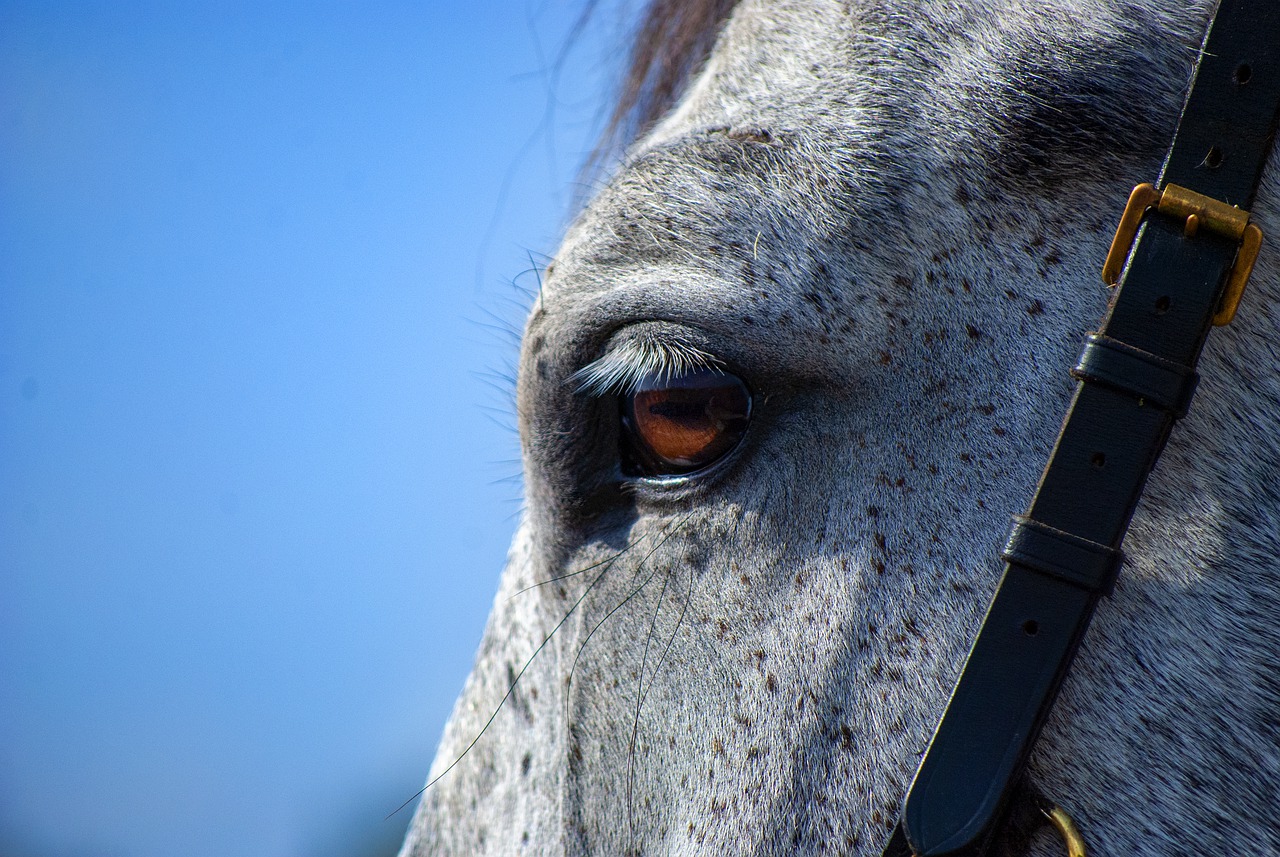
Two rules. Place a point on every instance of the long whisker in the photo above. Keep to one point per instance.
(632, 594)
(510, 690)
(640, 696)
(688, 597)
(606, 561)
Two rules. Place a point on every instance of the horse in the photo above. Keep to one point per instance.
(865, 235)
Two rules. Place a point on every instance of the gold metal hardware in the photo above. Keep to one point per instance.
(1067, 830)
(1141, 198)
(1197, 212)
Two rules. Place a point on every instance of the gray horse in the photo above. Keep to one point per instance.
(865, 239)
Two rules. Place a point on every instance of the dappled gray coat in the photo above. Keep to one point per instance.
(887, 219)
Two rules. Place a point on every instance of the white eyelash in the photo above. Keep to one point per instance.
(621, 370)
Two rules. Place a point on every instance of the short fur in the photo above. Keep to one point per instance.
(888, 219)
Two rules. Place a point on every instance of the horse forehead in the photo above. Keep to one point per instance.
(813, 114)
(821, 61)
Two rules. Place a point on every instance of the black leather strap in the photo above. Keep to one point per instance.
(1089, 565)
(1136, 377)
(1162, 383)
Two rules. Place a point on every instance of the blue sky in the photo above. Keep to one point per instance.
(258, 470)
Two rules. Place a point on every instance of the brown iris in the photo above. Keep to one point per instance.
(682, 423)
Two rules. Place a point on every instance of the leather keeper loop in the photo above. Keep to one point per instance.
(1060, 554)
(1163, 383)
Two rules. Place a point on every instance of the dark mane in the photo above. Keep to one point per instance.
(673, 39)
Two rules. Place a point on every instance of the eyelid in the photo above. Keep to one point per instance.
(641, 355)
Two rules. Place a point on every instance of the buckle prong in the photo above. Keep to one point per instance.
(1066, 828)
(1196, 211)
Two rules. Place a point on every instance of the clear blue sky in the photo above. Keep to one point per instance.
(257, 465)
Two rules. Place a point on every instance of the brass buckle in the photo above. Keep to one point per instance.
(1197, 212)
(1067, 830)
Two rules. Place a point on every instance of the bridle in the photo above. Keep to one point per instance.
(1177, 273)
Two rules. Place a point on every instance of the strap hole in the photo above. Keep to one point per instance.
(1098, 460)
(1242, 74)
(1213, 160)
(1031, 627)
(1162, 305)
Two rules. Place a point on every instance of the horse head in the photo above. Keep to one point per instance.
(852, 266)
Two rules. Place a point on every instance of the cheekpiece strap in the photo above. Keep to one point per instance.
(1191, 251)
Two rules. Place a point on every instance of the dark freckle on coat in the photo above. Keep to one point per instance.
(873, 511)
(986, 410)
(1036, 307)
(750, 135)
(962, 196)
(525, 764)
(885, 358)
(746, 319)
(1053, 257)
(877, 564)
(973, 332)
(999, 432)
(966, 457)
(770, 683)
(964, 284)
(1037, 241)
(1011, 294)
(902, 282)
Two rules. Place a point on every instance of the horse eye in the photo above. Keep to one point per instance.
(673, 425)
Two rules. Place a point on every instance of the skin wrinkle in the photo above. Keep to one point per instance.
(887, 218)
